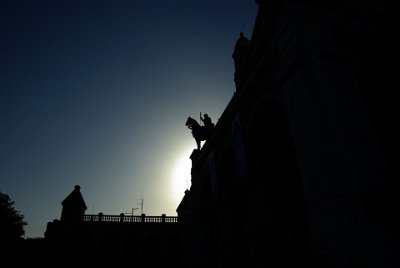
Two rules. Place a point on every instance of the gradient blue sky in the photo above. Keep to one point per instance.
(96, 94)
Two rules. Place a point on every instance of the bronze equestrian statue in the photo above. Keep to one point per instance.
(200, 133)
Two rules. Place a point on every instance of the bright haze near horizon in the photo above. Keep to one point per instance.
(97, 93)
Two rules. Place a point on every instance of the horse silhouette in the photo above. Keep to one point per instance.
(200, 133)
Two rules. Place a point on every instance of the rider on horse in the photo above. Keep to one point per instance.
(207, 121)
(200, 133)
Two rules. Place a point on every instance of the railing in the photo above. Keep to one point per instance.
(122, 218)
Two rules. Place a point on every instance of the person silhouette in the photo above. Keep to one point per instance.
(207, 121)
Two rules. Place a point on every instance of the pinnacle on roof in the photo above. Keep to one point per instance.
(75, 198)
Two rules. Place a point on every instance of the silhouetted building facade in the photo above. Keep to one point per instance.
(301, 167)
(81, 240)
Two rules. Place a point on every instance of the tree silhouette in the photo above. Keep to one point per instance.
(11, 231)
(12, 222)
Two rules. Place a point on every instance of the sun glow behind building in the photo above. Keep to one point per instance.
(97, 95)
(181, 177)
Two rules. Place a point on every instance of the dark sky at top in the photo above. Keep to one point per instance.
(96, 93)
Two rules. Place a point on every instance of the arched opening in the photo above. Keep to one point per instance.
(278, 206)
(232, 211)
(377, 77)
